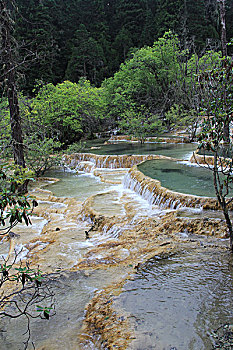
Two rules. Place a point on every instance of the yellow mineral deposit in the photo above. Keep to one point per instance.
(124, 239)
(121, 138)
(201, 159)
(152, 189)
(113, 327)
(85, 160)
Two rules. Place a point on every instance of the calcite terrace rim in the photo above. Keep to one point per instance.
(153, 139)
(170, 199)
(162, 196)
(123, 161)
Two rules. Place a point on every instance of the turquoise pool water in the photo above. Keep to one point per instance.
(180, 177)
(182, 151)
(79, 186)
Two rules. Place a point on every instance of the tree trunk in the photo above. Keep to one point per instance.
(222, 13)
(229, 227)
(7, 46)
(226, 133)
(10, 84)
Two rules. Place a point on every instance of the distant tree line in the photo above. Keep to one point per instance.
(91, 38)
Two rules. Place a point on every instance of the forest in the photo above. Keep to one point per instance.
(134, 67)
(71, 46)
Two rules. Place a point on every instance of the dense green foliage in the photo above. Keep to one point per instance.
(14, 206)
(146, 80)
(90, 38)
(5, 139)
(67, 110)
(162, 82)
(65, 95)
(140, 124)
(155, 90)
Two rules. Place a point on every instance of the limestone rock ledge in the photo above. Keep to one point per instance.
(106, 161)
(152, 190)
(127, 138)
(202, 159)
(103, 325)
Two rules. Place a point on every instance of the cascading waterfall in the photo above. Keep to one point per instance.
(155, 194)
(107, 161)
(149, 189)
(85, 166)
(114, 231)
(151, 196)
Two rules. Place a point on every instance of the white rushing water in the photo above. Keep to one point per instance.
(68, 244)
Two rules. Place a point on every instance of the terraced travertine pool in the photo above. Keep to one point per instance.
(181, 177)
(179, 150)
(172, 301)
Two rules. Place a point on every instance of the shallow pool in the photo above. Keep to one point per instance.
(180, 177)
(76, 186)
(177, 303)
(181, 150)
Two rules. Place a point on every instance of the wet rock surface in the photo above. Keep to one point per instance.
(85, 161)
(156, 194)
(177, 139)
(119, 242)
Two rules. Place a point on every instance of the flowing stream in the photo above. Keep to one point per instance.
(173, 303)
(72, 290)
(180, 301)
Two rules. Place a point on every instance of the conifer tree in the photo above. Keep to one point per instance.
(86, 57)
